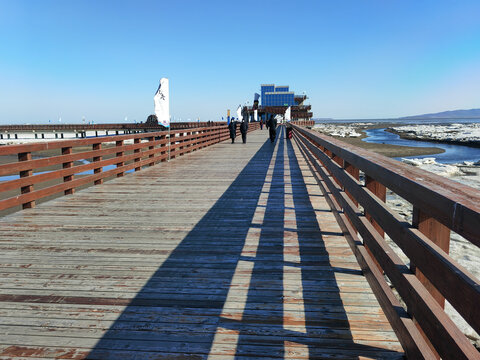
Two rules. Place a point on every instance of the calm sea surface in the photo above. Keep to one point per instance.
(453, 153)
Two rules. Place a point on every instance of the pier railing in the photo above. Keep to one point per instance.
(111, 126)
(44, 169)
(308, 123)
(411, 295)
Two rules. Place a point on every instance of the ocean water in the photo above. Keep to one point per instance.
(453, 153)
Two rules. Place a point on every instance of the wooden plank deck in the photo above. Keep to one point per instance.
(230, 252)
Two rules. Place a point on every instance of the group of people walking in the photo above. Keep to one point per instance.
(271, 125)
(232, 126)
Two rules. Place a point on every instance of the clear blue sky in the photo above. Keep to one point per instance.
(354, 59)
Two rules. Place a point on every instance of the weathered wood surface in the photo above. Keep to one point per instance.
(231, 252)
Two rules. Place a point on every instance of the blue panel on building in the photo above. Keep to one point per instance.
(272, 95)
(264, 89)
(278, 99)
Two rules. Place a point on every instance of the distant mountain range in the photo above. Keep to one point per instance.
(453, 114)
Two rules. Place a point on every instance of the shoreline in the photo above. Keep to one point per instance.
(409, 136)
(383, 149)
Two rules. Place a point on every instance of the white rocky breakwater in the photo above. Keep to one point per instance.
(467, 168)
(462, 250)
(458, 133)
(348, 130)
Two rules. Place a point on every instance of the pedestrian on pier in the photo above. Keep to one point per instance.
(289, 130)
(261, 124)
(272, 127)
(233, 129)
(244, 129)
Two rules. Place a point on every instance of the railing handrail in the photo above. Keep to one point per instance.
(58, 144)
(107, 126)
(433, 275)
(309, 123)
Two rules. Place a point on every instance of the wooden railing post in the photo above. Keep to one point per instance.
(201, 137)
(97, 146)
(137, 151)
(26, 156)
(355, 172)
(336, 159)
(183, 141)
(188, 134)
(119, 144)
(163, 148)
(340, 162)
(329, 154)
(440, 235)
(207, 137)
(172, 141)
(67, 165)
(380, 191)
(151, 147)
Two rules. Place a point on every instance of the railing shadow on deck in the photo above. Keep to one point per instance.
(264, 310)
(282, 316)
(233, 218)
(335, 317)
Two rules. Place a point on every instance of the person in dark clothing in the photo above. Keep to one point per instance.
(245, 114)
(244, 129)
(233, 129)
(272, 128)
(261, 124)
(289, 131)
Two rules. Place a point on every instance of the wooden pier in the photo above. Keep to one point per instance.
(237, 251)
